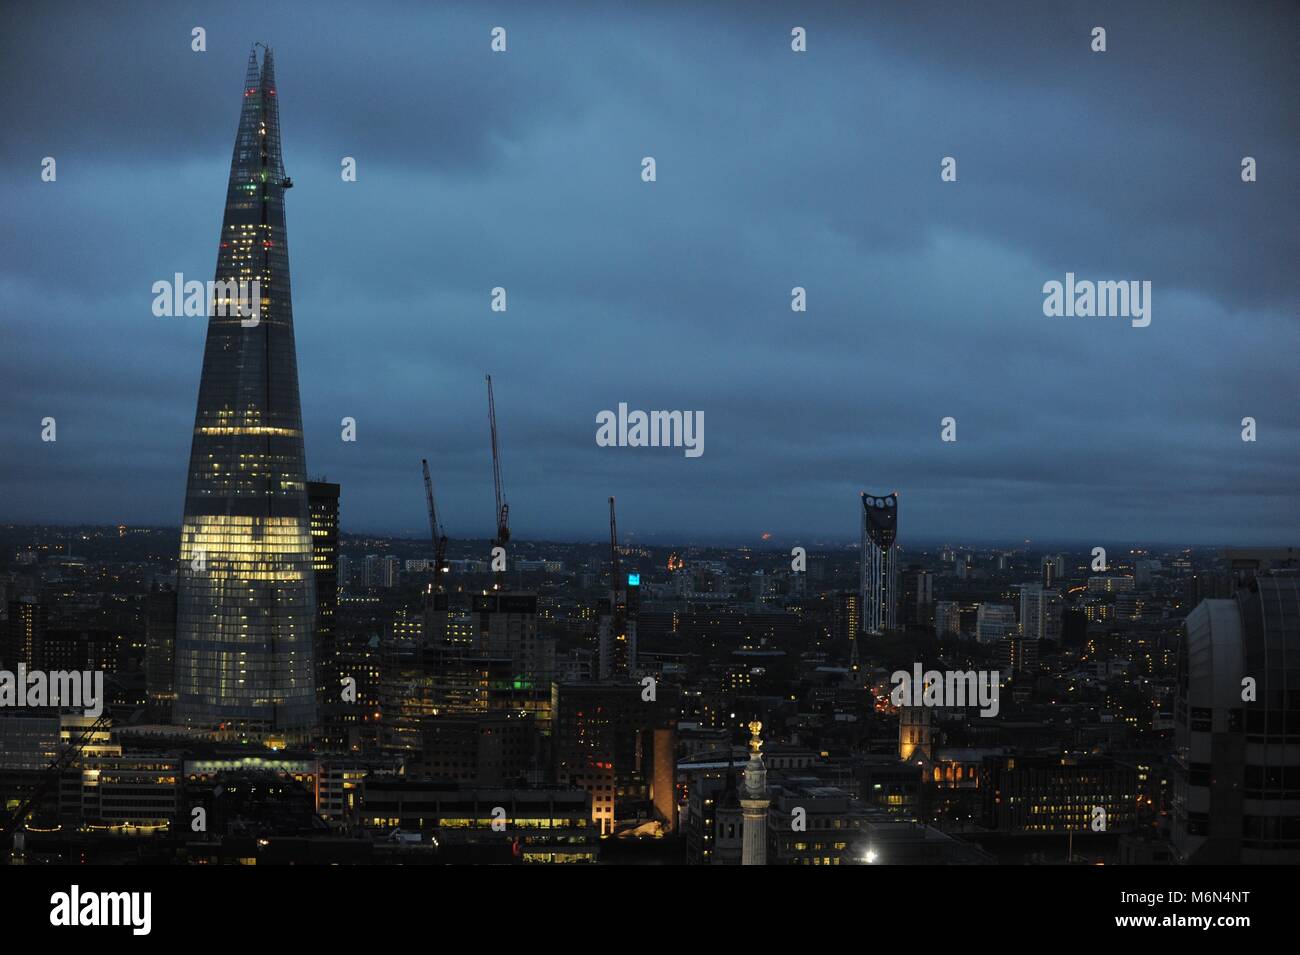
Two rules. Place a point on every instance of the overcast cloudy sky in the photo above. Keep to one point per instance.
(775, 169)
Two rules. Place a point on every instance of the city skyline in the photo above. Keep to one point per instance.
(850, 437)
(1067, 429)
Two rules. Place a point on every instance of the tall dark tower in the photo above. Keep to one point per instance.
(323, 505)
(246, 596)
(879, 581)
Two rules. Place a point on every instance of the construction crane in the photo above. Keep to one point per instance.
(503, 509)
(436, 533)
(617, 602)
(613, 547)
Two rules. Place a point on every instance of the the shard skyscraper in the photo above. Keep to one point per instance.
(246, 589)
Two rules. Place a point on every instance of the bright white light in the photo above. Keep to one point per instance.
(870, 856)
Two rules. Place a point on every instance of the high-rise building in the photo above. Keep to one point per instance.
(1236, 723)
(1053, 569)
(28, 621)
(1040, 613)
(918, 596)
(846, 616)
(994, 621)
(947, 618)
(390, 573)
(879, 577)
(507, 628)
(246, 595)
(323, 507)
(1053, 618)
(159, 652)
(1017, 654)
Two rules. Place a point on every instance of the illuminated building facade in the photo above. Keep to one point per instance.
(1054, 794)
(1053, 570)
(323, 509)
(915, 733)
(323, 505)
(127, 795)
(847, 616)
(352, 726)
(1017, 654)
(606, 742)
(947, 619)
(246, 595)
(540, 825)
(879, 580)
(28, 621)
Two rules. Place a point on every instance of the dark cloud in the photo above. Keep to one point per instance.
(775, 170)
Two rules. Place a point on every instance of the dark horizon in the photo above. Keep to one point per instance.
(632, 537)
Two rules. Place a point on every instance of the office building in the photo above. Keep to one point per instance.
(159, 652)
(1237, 727)
(918, 597)
(246, 595)
(994, 621)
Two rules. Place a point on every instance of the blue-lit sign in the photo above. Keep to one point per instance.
(634, 580)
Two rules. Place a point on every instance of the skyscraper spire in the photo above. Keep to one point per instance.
(245, 587)
(252, 75)
(271, 114)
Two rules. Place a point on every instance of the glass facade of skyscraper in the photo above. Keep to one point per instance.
(246, 600)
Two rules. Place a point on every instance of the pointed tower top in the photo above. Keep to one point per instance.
(251, 78)
(268, 69)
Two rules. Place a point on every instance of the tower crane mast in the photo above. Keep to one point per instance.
(435, 530)
(503, 508)
(613, 547)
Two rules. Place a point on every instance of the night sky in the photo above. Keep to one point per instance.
(775, 169)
